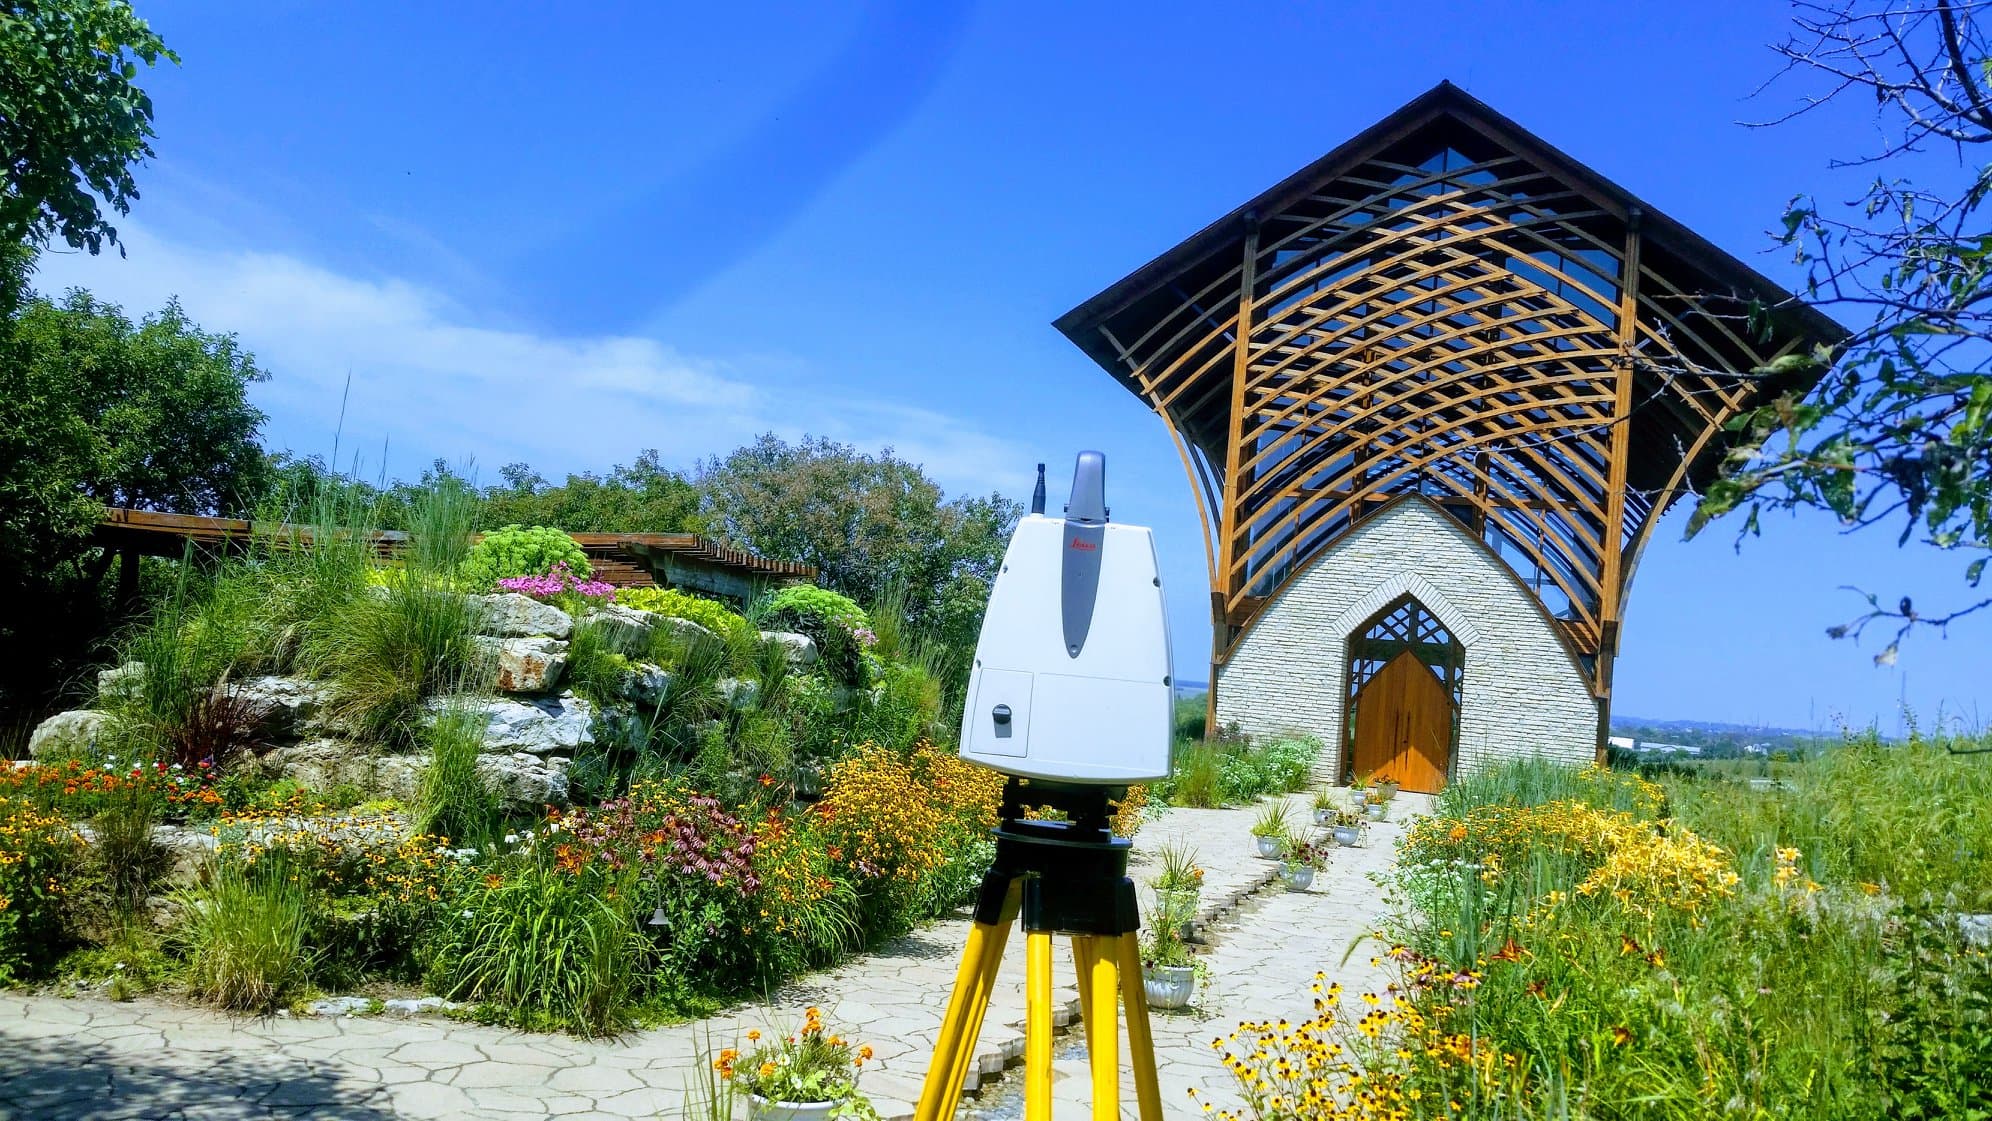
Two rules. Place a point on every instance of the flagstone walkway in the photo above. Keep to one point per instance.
(77, 1059)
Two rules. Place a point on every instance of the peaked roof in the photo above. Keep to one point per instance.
(1442, 101)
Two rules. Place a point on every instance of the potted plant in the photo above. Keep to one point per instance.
(1299, 860)
(1178, 885)
(1325, 806)
(1170, 973)
(1346, 826)
(809, 1076)
(1272, 827)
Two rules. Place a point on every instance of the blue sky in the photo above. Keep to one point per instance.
(527, 234)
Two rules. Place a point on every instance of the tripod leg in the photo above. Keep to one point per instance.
(1102, 1032)
(1083, 952)
(961, 1025)
(1037, 1025)
(1140, 1041)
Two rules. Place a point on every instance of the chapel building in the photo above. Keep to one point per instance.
(1432, 393)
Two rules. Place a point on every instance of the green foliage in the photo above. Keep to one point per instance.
(242, 933)
(1899, 428)
(520, 551)
(124, 853)
(98, 411)
(1189, 717)
(1804, 989)
(386, 653)
(73, 122)
(548, 949)
(40, 855)
(809, 603)
(710, 614)
(1227, 771)
(1932, 1047)
(1909, 818)
(869, 525)
(454, 801)
(643, 497)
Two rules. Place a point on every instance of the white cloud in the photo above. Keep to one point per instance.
(429, 380)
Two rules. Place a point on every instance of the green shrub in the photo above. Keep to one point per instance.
(807, 601)
(39, 856)
(548, 950)
(125, 855)
(454, 801)
(710, 614)
(388, 651)
(1197, 780)
(1931, 1039)
(520, 551)
(243, 936)
(1189, 717)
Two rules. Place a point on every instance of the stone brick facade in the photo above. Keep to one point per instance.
(1522, 694)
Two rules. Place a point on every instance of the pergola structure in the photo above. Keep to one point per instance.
(1445, 313)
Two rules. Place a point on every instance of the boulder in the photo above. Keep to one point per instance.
(801, 648)
(624, 630)
(286, 705)
(121, 683)
(77, 733)
(324, 763)
(739, 693)
(646, 684)
(538, 725)
(511, 615)
(525, 782)
(684, 630)
(524, 665)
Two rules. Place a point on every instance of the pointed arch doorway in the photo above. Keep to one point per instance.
(1405, 675)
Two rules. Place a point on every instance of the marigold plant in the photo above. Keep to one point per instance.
(900, 816)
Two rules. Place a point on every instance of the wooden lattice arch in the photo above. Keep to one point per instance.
(1446, 305)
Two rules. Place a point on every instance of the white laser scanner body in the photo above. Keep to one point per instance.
(1072, 673)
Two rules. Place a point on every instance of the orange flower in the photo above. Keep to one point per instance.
(753, 1034)
(1621, 1036)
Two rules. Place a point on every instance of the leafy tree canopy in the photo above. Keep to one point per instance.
(875, 527)
(1900, 430)
(73, 121)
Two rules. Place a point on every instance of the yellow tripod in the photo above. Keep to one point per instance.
(1060, 877)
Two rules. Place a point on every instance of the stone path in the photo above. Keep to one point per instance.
(68, 1060)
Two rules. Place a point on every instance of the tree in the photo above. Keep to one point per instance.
(97, 411)
(1901, 429)
(73, 123)
(873, 526)
(643, 497)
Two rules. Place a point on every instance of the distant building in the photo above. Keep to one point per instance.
(1623, 743)
(1433, 392)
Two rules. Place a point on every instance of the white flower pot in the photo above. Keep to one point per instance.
(761, 1109)
(1374, 810)
(1269, 847)
(1298, 877)
(1348, 836)
(1324, 814)
(1169, 986)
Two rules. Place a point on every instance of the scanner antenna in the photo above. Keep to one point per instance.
(1037, 495)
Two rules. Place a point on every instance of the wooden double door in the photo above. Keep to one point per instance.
(1404, 725)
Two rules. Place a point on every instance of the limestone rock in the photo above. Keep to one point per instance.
(801, 648)
(324, 763)
(525, 665)
(121, 683)
(341, 1006)
(287, 705)
(741, 694)
(646, 684)
(511, 615)
(538, 725)
(79, 732)
(684, 630)
(624, 630)
(523, 781)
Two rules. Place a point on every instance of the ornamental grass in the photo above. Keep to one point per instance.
(1585, 943)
